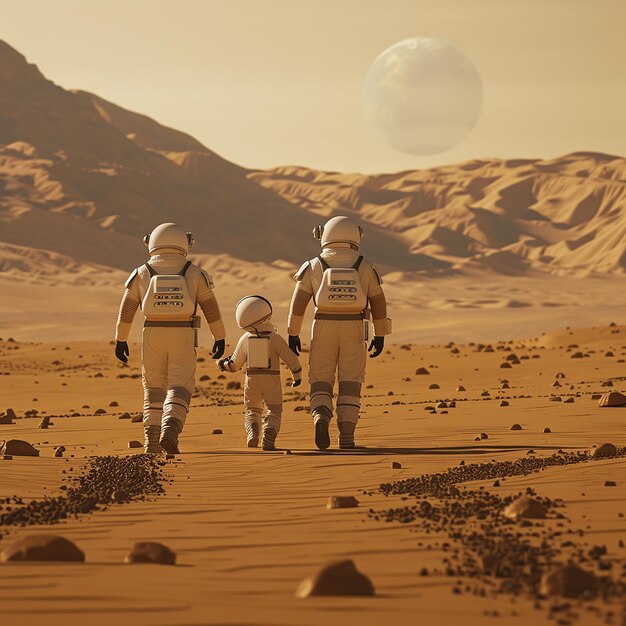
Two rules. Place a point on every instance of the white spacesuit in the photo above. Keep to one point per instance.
(169, 289)
(261, 349)
(347, 291)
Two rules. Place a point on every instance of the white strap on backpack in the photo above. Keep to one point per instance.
(168, 296)
(341, 289)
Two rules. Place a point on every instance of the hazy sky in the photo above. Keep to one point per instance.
(274, 82)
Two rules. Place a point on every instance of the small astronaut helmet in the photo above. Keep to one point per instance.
(339, 229)
(252, 311)
(169, 236)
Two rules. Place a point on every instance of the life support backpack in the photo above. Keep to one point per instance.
(258, 351)
(341, 289)
(168, 296)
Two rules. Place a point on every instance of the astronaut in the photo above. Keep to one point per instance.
(261, 348)
(169, 289)
(346, 290)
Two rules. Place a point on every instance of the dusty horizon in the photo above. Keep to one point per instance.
(274, 85)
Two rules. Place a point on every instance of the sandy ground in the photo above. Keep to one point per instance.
(248, 526)
(473, 306)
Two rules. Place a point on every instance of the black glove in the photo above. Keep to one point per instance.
(222, 363)
(378, 343)
(218, 348)
(296, 383)
(295, 345)
(121, 351)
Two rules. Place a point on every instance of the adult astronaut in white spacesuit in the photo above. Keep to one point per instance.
(346, 290)
(169, 289)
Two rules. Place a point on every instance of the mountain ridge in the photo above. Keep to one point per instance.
(85, 178)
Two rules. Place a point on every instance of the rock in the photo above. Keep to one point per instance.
(577, 355)
(396, 465)
(433, 386)
(607, 383)
(516, 427)
(45, 422)
(340, 578)
(114, 403)
(610, 483)
(217, 431)
(342, 502)
(135, 444)
(560, 375)
(5, 419)
(505, 365)
(137, 417)
(120, 496)
(546, 430)
(233, 384)
(613, 398)
(17, 447)
(568, 581)
(100, 412)
(58, 452)
(484, 436)
(42, 548)
(151, 552)
(569, 401)
(604, 451)
(504, 403)
(422, 371)
(460, 388)
(525, 507)
(124, 416)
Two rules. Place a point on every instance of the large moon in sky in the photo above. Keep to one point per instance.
(422, 96)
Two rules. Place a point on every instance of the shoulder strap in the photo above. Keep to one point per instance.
(325, 265)
(358, 263)
(150, 269)
(185, 268)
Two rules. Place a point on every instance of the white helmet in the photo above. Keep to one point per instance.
(169, 236)
(252, 311)
(339, 229)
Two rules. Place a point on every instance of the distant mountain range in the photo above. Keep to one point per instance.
(82, 180)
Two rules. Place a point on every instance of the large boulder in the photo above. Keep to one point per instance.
(568, 581)
(525, 507)
(151, 552)
(340, 578)
(42, 548)
(17, 447)
(614, 398)
(604, 451)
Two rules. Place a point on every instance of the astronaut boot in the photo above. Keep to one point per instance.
(252, 434)
(169, 435)
(269, 438)
(346, 435)
(321, 418)
(151, 440)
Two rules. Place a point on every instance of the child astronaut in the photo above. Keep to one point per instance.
(262, 349)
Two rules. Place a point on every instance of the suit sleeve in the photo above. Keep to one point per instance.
(289, 358)
(302, 294)
(128, 308)
(377, 302)
(210, 308)
(238, 357)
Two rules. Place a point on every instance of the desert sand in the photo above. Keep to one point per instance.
(249, 526)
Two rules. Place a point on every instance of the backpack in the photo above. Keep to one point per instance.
(258, 351)
(341, 289)
(168, 296)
